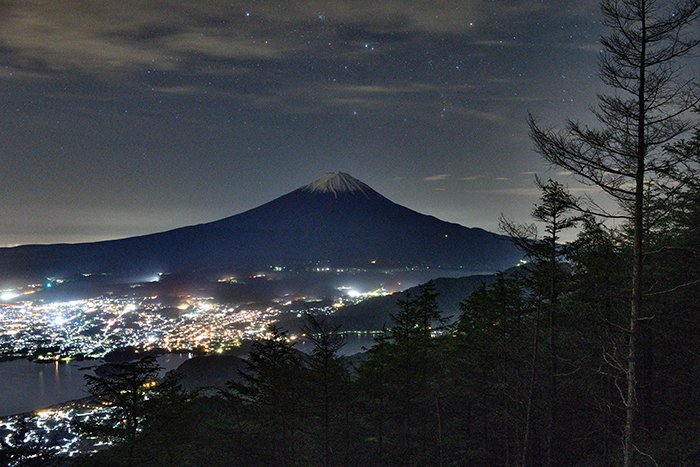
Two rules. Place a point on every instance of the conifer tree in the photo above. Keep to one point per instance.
(554, 212)
(271, 389)
(327, 376)
(625, 155)
(131, 390)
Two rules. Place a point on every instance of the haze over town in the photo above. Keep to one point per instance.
(425, 232)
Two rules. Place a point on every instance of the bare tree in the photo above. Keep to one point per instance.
(625, 155)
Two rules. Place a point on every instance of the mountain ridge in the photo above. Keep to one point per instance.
(324, 222)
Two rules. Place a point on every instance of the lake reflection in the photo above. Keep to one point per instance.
(26, 386)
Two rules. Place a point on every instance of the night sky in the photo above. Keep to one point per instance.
(129, 117)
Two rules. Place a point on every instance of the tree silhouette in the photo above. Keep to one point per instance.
(327, 377)
(271, 390)
(132, 390)
(625, 156)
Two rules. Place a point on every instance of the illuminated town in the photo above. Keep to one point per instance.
(94, 327)
(58, 428)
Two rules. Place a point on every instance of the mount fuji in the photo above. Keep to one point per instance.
(335, 220)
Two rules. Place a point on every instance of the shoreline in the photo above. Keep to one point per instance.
(86, 365)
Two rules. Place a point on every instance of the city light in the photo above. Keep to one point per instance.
(59, 320)
(94, 327)
(7, 296)
(59, 332)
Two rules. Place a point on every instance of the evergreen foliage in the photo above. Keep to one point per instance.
(477, 391)
(576, 358)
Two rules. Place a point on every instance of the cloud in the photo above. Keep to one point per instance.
(12, 73)
(437, 177)
(470, 178)
(594, 47)
(106, 37)
(201, 91)
(534, 192)
(422, 16)
(487, 116)
(501, 179)
(100, 37)
(393, 97)
(178, 90)
(496, 43)
(191, 49)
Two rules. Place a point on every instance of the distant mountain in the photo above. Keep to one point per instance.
(335, 220)
(373, 313)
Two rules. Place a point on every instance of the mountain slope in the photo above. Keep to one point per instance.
(374, 313)
(336, 220)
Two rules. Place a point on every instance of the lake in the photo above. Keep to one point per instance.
(27, 386)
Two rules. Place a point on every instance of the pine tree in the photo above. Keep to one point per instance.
(488, 335)
(271, 390)
(327, 377)
(403, 365)
(131, 390)
(625, 157)
(548, 273)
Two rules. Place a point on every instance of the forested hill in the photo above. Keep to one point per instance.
(374, 313)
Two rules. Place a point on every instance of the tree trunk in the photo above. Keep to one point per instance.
(553, 303)
(439, 428)
(531, 389)
(326, 413)
(637, 267)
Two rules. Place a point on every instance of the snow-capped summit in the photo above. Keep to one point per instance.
(335, 220)
(336, 183)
